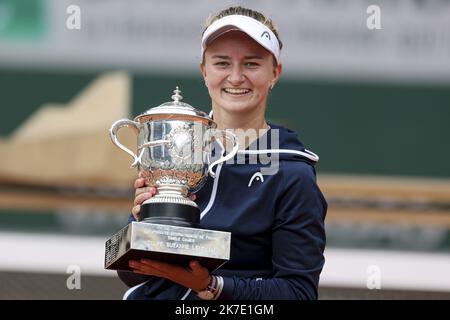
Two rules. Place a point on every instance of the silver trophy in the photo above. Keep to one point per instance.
(174, 146)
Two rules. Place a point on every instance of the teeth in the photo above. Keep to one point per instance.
(236, 91)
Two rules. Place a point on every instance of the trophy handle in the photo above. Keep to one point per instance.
(232, 137)
(113, 134)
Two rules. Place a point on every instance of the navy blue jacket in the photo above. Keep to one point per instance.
(276, 220)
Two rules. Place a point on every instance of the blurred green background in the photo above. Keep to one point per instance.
(358, 128)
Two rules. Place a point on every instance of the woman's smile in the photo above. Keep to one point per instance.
(237, 92)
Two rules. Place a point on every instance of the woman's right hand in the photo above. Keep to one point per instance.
(142, 193)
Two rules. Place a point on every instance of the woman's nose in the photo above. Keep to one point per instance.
(236, 76)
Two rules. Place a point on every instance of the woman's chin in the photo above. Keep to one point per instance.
(237, 105)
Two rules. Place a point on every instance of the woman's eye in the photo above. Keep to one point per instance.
(221, 63)
(251, 64)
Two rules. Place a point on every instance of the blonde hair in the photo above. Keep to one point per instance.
(244, 12)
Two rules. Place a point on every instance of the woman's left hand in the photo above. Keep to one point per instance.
(196, 277)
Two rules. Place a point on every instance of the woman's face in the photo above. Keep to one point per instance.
(238, 73)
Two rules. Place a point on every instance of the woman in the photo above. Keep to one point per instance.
(276, 216)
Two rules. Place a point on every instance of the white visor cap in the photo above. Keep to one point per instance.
(253, 28)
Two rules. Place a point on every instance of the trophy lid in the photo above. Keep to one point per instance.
(174, 110)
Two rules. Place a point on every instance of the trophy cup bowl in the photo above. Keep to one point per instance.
(174, 143)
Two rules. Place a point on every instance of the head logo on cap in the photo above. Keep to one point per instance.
(266, 34)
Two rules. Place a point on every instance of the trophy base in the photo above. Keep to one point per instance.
(171, 244)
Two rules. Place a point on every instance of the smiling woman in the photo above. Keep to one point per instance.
(276, 217)
(241, 68)
(239, 74)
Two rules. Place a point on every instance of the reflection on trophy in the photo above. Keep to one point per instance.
(174, 144)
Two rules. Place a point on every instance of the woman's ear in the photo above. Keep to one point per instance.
(203, 72)
(276, 75)
(277, 72)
